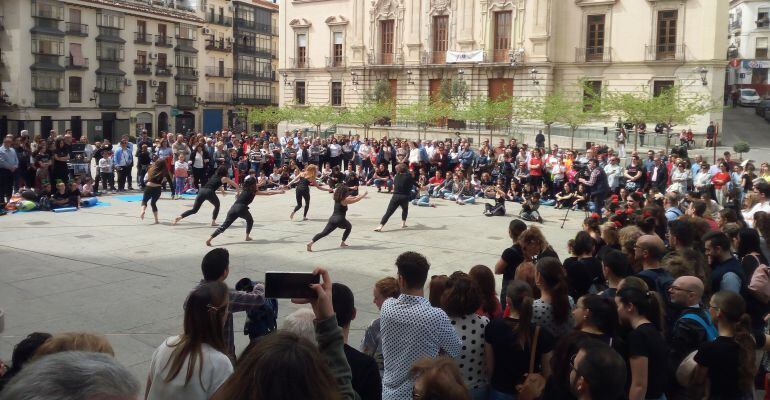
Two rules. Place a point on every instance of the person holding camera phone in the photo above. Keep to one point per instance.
(342, 200)
(240, 209)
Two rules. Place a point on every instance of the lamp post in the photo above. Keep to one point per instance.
(409, 80)
(703, 75)
(533, 74)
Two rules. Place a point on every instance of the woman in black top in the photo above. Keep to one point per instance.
(208, 192)
(304, 181)
(338, 220)
(240, 209)
(154, 179)
(403, 183)
(199, 173)
(597, 318)
(61, 157)
(647, 350)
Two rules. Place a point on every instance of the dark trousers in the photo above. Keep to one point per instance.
(198, 176)
(6, 184)
(237, 211)
(129, 168)
(398, 200)
(204, 195)
(302, 194)
(336, 221)
(122, 176)
(151, 194)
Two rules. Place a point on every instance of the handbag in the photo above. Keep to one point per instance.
(534, 383)
(759, 285)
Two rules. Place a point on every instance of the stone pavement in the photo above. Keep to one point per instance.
(104, 270)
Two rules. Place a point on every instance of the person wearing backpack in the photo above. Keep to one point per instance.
(726, 271)
(650, 249)
(261, 320)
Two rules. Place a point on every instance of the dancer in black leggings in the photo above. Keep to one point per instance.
(154, 179)
(402, 191)
(304, 180)
(338, 220)
(240, 209)
(208, 192)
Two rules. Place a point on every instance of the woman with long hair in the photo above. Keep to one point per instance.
(304, 181)
(748, 249)
(485, 280)
(240, 209)
(508, 344)
(403, 183)
(61, 156)
(199, 161)
(552, 309)
(597, 318)
(338, 220)
(154, 179)
(725, 367)
(194, 365)
(647, 349)
(208, 192)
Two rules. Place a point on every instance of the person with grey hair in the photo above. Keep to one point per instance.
(300, 323)
(73, 375)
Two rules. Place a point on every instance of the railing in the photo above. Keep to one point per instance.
(185, 102)
(71, 64)
(299, 63)
(105, 32)
(665, 52)
(186, 44)
(254, 99)
(219, 20)
(385, 58)
(213, 97)
(109, 100)
(250, 49)
(76, 29)
(593, 54)
(47, 59)
(163, 70)
(434, 57)
(110, 56)
(142, 38)
(500, 56)
(46, 98)
(218, 72)
(49, 11)
(186, 72)
(164, 41)
(335, 62)
(763, 23)
(735, 24)
(142, 68)
(218, 45)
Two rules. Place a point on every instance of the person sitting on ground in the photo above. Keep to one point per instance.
(382, 178)
(62, 197)
(529, 208)
(580, 200)
(566, 197)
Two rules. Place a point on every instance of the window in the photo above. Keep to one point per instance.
(162, 30)
(761, 48)
(337, 50)
(141, 92)
(162, 61)
(301, 50)
(110, 21)
(76, 56)
(141, 27)
(336, 94)
(185, 31)
(386, 41)
(186, 89)
(440, 38)
(141, 58)
(299, 92)
(595, 39)
(161, 94)
(661, 86)
(109, 83)
(759, 76)
(74, 16)
(186, 60)
(763, 17)
(502, 41)
(47, 45)
(76, 89)
(47, 81)
(591, 93)
(666, 44)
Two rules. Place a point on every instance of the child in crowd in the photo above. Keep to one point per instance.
(181, 172)
(106, 169)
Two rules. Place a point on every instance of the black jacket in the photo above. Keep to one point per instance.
(686, 336)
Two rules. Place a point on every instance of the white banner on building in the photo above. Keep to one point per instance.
(475, 56)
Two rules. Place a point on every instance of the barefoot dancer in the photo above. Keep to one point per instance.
(304, 181)
(240, 209)
(338, 220)
(154, 179)
(208, 193)
(402, 190)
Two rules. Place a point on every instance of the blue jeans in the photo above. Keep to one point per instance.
(382, 182)
(423, 201)
(495, 395)
(467, 199)
(179, 184)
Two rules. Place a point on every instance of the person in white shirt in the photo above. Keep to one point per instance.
(762, 189)
(202, 346)
(614, 172)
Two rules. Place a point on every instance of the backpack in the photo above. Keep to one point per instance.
(685, 369)
(261, 321)
(708, 326)
(759, 285)
(662, 281)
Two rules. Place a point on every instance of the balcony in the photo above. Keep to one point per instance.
(299, 63)
(218, 72)
(47, 11)
(218, 45)
(162, 70)
(185, 102)
(219, 20)
(385, 58)
(250, 49)
(213, 97)
(665, 52)
(187, 45)
(763, 23)
(143, 38)
(110, 56)
(255, 100)
(433, 57)
(142, 68)
(335, 62)
(164, 41)
(47, 62)
(75, 29)
(73, 64)
(46, 98)
(186, 73)
(109, 100)
(593, 54)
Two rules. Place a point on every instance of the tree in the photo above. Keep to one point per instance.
(422, 112)
(367, 114)
(268, 116)
(318, 115)
(380, 92)
(673, 107)
(549, 109)
(740, 148)
(635, 108)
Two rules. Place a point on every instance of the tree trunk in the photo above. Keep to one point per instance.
(478, 127)
(572, 141)
(636, 137)
(548, 130)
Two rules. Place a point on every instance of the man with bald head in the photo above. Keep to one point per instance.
(650, 249)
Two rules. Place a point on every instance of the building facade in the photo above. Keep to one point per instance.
(749, 34)
(334, 51)
(217, 58)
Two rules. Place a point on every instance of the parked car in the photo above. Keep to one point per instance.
(767, 116)
(762, 107)
(748, 97)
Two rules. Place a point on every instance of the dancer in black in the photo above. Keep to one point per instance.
(338, 220)
(402, 191)
(154, 179)
(240, 209)
(304, 180)
(208, 192)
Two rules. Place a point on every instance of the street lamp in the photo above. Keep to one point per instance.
(354, 76)
(96, 95)
(703, 73)
(409, 80)
(285, 79)
(533, 74)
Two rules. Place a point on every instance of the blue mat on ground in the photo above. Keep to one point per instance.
(135, 198)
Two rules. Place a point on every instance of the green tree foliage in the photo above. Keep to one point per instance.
(675, 107)
(367, 114)
(740, 148)
(269, 116)
(380, 92)
(318, 115)
(485, 111)
(423, 113)
(635, 108)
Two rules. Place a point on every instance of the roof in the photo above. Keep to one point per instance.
(145, 8)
